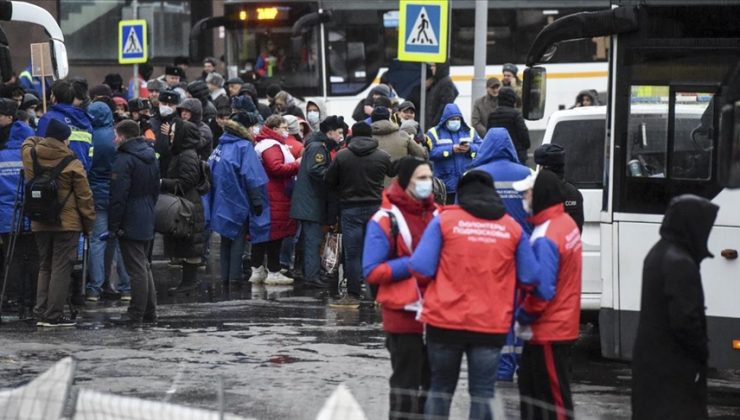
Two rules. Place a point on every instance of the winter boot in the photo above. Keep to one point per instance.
(189, 280)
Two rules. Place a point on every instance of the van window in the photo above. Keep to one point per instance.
(583, 141)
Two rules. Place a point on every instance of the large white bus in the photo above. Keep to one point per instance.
(337, 49)
(687, 70)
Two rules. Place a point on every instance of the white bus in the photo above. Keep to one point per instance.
(336, 50)
(688, 72)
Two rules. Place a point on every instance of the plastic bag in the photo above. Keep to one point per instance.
(331, 252)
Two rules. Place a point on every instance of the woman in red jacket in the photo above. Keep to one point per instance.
(281, 168)
(392, 234)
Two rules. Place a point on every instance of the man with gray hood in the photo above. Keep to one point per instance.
(191, 110)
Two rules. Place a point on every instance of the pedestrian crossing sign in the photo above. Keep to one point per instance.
(422, 30)
(132, 42)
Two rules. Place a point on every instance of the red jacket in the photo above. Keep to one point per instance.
(553, 308)
(385, 258)
(475, 264)
(281, 169)
(295, 146)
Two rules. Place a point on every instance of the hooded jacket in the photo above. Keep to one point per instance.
(311, 199)
(439, 95)
(10, 173)
(510, 118)
(205, 146)
(357, 173)
(322, 113)
(670, 356)
(395, 142)
(482, 108)
(448, 165)
(590, 94)
(78, 212)
(80, 142)
(498, 158)
(105, 151)
(236, 192)
(134, 188)
(475, 274)
(553, 308)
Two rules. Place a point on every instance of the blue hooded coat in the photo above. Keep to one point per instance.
(105, 152)
(79, 122)
(498, 157)
(235, 170)
(10, 173)
(448, 165)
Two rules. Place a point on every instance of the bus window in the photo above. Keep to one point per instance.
(693, 136)
(583, 141)
(647, 132)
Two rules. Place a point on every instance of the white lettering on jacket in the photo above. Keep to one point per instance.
(487, 232)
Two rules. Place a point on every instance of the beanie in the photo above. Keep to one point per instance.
(506, 96)
(406, 167)
(511, 68)
(330, 123)
(243, 103)
(8, 106)
(292, 122)
(58, 130)
(155, 85)
(273, 90)
(247, 119)
(382, 90)
(361, 129)
(215, 79)
(547, 191)
(198, 89)
(380, 113)
(100, 90)
(550, 155)
(477, 195)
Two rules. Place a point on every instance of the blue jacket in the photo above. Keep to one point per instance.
(448, 165)
(498, 157)
(32, 84)
(11, 164)
(134, 189)
(235, 170)
(105, 151)
(79, 121)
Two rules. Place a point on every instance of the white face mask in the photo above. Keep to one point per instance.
(255, 130)
(165, 111)
(285, 134)
(525, 205)
(313, 117)
(453, 125)
(422, 188)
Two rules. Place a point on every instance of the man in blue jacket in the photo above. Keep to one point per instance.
(69, 97)
(453, 145)
(99, 176)
(133, 195)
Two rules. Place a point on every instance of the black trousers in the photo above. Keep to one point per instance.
(411, 375)
(143, 293)
(267, 250)
(544, 381)
(24, 269)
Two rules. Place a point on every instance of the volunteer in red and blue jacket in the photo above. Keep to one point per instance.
(453, 145)
(549, 315)
(24, 269)
(497, 156)
(392, 235)
(235, 198)
(474, 254)
(69, 97)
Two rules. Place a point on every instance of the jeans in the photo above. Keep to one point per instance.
(288, 248)
(311, 250)
(57, 255)
(445, 359)
(143, 293)
(98, 260)
(231, 257)
(354, 222)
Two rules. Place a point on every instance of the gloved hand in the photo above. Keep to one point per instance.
(523, 331)
(257, 210)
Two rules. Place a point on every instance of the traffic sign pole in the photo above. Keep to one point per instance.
(423, 97)
(479, 59)
(135, 10)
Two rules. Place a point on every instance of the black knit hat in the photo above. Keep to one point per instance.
(550, 155)
(273, 90)
(380, 113)
(361, 129)
(58, 130)
(405, 168)
(8, 107)
(506, 96)
(198, 89)
(547, 191)
(247, 119)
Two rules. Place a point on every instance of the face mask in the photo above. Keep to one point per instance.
(453, 125)
(255, 130)
(165, 111)
(285, 134)
(422, 188)
(527, 208)
(341, 139)
(313, 117)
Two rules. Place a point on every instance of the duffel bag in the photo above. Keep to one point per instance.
(174, 216)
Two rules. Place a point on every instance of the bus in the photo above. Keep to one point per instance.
(682, 60)
(336, 50)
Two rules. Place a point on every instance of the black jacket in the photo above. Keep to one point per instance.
(311, 201)
(670, 354)
(573, 203)
(134, 189)
(357, 173)
(183, 177)
(441, 93)
(162, 141)
(511, 119)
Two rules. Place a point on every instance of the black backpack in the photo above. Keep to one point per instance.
(42, 192)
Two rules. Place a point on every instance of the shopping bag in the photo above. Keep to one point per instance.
(331, 252)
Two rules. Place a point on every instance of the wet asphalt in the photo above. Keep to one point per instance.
(279, 352)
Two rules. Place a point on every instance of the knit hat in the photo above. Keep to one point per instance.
(492, 81)
(215, 79)
(8, 107)
(29, 100)
(235, 81)
(406, 167)
(247, 119)
(380, 113)
(100, 90)
(477, 195)
(292, 122)
(411, 127)
(550, 155)
(174, 71)
(381, 89)
(512, 68)
(406, 105)
(243, 103)
(361, 129)
(58, 130)
(169, 97)
(155, 85)
(330, 123)
(273, 90)
(506, 96)
(547, 191)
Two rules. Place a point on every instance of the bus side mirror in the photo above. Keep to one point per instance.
(59, 58)
(6, 66)
(728, 170)
(534, 93)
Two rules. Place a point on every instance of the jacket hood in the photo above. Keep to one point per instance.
(19, 132)
(101, 115)
(688, 222)
(237, 130)
(187, 136)
(384, 127)
(78, 117)
(506, 97)
(363, 146)
(195, 107)
(269, 133)
(442, 71)
(395, 194)
(496, 145)
(590, 94)
(452, 110)
(477, 195)
(320, 104)
(140, 148)
(547, 191)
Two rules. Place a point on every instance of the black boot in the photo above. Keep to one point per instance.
(189, 279)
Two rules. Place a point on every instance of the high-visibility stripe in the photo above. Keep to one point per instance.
(82, 136)
(90, 152)
(12, 164)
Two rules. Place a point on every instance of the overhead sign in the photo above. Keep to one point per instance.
(422, 31)
(132, 42)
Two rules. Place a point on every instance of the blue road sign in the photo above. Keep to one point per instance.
(132, 42)
(423, 30)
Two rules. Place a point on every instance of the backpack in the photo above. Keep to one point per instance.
(41, 194)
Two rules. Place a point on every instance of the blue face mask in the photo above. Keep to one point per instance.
(454, 125)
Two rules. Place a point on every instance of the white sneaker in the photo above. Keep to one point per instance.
(277, 278)
(259, 275)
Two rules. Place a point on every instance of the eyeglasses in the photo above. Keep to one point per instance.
(283, 127)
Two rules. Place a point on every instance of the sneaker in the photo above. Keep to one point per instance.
(62, 321)
(347, 302)
(92, 297)
(259, 275)
(278, 278)
(126, 297)
(287, 272)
